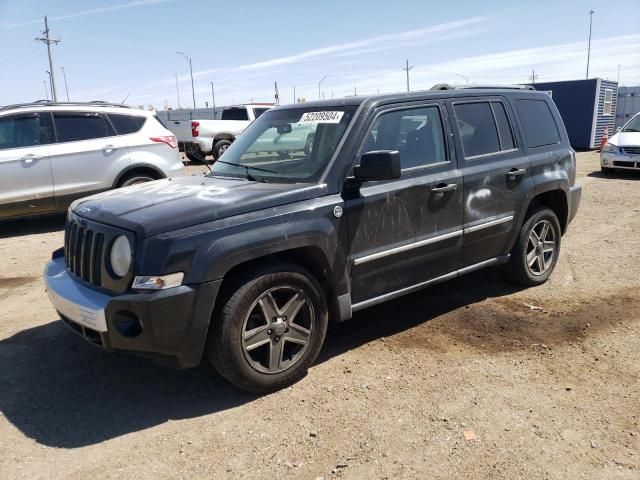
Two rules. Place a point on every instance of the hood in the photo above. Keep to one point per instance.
(165, 205)
(626, 139)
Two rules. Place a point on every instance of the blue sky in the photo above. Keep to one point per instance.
(127, 47)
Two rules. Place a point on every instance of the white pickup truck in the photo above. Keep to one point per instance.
(199, 138)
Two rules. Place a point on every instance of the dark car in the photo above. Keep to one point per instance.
(246, 265)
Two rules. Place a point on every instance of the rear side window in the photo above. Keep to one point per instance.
(125, 124)
(504, 127)
(75, 126)
(477, 128)
(235, 114)
(259, 111)
(540, 128)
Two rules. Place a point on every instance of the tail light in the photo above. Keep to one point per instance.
(170, 140)
(194, 129)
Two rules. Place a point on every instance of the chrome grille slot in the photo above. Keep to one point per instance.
(96, 260)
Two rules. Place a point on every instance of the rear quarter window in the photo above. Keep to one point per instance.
(125, 124)
(539, 126)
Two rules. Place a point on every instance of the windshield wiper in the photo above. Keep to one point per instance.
(247, 168)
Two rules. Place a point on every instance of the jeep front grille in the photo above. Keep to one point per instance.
(83, 250)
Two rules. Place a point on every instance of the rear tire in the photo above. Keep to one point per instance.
(269, 330)
(536, 250)
(135, 178)
(220, 147)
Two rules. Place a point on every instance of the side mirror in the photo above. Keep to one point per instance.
(284, 128)
(378, 165)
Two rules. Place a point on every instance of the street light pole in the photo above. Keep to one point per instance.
(591, 12)
(177, 91)
(51, 85)
(213, 99)
(66, 88)
(46, 93)
(466, 79)
(193, 90)
(407, 68)
(319, 85)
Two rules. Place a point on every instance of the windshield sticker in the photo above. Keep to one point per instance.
(321, 117)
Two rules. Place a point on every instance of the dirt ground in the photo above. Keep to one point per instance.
(469, 379)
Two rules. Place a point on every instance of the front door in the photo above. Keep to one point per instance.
(26, 184)
(497, 176)
(404, 232)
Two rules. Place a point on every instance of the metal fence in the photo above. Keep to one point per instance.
(190, 114)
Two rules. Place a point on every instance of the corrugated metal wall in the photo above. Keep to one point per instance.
(605, 121)
(189, 114)
(628, 104)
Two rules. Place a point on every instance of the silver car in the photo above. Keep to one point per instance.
(54, 153)
(623, 149)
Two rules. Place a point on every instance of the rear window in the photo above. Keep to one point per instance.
(125, 124)
(235, 114)
(75, 126)
(540, 128)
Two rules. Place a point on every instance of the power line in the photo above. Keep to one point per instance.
(48, 41)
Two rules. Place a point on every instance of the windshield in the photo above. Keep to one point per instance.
(292, 145)
(632, 125)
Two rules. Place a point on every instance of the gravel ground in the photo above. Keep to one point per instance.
(472, 378)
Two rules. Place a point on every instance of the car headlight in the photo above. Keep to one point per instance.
(610, 148)
(120, 256)
(159, 282)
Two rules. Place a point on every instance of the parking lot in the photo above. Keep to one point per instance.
(471, 378)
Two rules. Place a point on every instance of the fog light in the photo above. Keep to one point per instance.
(605, 161)
(127, 324)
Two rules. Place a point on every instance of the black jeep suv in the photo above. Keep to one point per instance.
(318, 210)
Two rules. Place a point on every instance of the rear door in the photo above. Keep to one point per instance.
(26, 183)
(497, 176)
(404, 232)
(87, 155)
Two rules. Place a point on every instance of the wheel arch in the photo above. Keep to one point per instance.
(557, 200)
(144, 169)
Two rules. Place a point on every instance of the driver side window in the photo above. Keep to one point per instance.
(417, 133)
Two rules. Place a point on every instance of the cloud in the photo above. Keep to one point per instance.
(92, 11)
(382, 42)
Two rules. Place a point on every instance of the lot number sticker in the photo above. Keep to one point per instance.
(321, 117)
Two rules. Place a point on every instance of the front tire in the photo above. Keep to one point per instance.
(536, 251)
(270, 330)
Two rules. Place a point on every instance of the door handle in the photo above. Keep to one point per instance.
(444, 187)
(108, 148)
(515, 173)
(30, 158)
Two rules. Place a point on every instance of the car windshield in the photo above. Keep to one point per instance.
(291, 145)
(632, 125)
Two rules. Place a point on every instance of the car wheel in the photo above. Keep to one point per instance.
(220, 147)
(270, 330)
(536, 251)
(133, 179)
(194, 157)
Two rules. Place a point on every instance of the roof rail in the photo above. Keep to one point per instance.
(50, 103)
(447, 86)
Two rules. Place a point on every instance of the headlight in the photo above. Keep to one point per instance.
(120, 257)
(610, 148)
(158, 282)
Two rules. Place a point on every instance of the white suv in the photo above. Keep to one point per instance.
(54, 153)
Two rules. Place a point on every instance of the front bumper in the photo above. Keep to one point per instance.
(169, 326)
(576, 195)
(620, 160)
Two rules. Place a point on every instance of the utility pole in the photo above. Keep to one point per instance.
(48, 41)
(193, 90)
(533, 77)
(276, 95)
(319, 85)
(591, 12)
(619, 74)
(177, 91)
(407, 68)
(355, 92)
(213, 99)
(66, 88)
